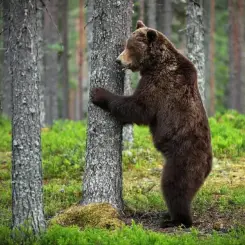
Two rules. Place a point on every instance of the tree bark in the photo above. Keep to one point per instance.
(6, 86)
(27, 194)
(51, 61)
(40, 20)
(151, 14)
(211, 58)
(142, 10)
(89, 28)
(235, 87)
(164, 16)
(195, 41)
(1, 60)
(206, 21)
(81, 47)
(64, 59)
(103, 171)
(128, 132)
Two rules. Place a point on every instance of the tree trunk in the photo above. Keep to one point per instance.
(164, 16)
(1, 60)
(6, 86)
(195, 41)
(51, 61)
(26, 143)
(128, 131)
(206, 21)
(40, 20)
(151, 14)
(103, 171)
(211, 58)
(235, 51)
(142, 10)
(89, 28)
(64, 59)
(81, 47)
(242, 28)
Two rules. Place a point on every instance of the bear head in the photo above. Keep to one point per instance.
(146, 49)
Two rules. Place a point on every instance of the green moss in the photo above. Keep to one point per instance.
(97, 215)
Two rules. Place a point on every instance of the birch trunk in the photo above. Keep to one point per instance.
(195, 41)
(103, 171)
(27, 194)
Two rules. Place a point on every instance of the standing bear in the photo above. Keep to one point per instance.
(167, 99)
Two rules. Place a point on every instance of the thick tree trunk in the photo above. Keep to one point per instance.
(26, 143)
(6, 85)
(64, 59)
(103, 171)
(51, 61)
(40, 20)
(195, 41)
(151, 13)
(128, 131)
(164, 16)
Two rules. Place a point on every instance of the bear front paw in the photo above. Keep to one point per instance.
(99, 97)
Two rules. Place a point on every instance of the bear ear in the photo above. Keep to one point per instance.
(151, 35)
(139, 24)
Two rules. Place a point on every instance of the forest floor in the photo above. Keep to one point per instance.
(219, 206)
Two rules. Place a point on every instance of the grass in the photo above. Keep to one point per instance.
(219, 205)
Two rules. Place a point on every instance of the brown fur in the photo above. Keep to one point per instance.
(167, 99)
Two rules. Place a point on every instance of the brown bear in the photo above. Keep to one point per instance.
(167, 99)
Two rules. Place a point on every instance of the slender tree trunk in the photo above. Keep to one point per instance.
(211, 58)
(51, 61)
(142, 10)
(195, 41)
(242, 27)
(206, 21)
(6, 87)
(64, 59)
(103, 171)
(235, 83)
(164, 16)
(40, 57)
(26, 143)
(1, 60)
(151, 14)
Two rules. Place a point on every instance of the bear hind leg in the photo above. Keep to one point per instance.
(179, 210)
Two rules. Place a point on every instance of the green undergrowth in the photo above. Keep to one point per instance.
(220, 203)
(129, 235)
